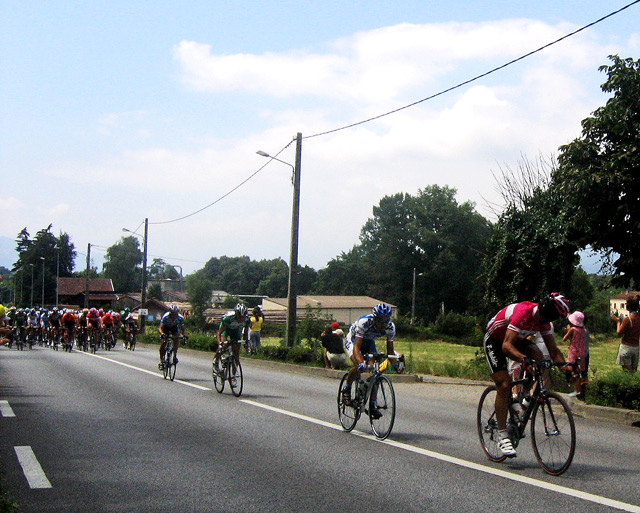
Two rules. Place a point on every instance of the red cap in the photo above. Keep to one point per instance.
(335, 325)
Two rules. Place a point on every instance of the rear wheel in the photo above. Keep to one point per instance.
(382, 407)
(553, 434)
(347, 413)
(218, 373)
(235, 377)
(488, 425)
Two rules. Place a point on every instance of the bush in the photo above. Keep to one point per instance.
(617, 388)
(202, 342)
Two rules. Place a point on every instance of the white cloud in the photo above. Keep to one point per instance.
(11, 204)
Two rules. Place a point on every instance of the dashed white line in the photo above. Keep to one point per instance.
(31, 468)
(5, 409)
(463, 463)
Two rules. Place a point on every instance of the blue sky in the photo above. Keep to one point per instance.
(116, 111)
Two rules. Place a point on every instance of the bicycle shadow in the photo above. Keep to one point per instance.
(416, 437)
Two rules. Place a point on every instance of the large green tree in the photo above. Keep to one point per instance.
(122, 264)
(598, 173)
(429, 232)
(40, 260)
(199, 289)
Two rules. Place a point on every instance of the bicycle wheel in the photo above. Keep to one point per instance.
(172, 367)
(219, 375)
(553, 434)
(382, 407)
(167, 364)
(488, 425)
(347, 413)
(235, 377)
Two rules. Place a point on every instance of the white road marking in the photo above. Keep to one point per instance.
(186, 383)
(31, 468)
(5, 409)
(463, 463)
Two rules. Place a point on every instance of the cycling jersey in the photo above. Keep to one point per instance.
(519, 318)
(233, 326)
(33, 320)
(68, 319)
(366, 328)
(171, 324)
(107, 319)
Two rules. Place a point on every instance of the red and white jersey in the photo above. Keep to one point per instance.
(517, 317)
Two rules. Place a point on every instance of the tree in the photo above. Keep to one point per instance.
(199, 289)
(155, 290)
(598, 173)
(429, 232)
(122, 265)
(46, 253)
(529, 254)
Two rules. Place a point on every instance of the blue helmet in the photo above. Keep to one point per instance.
(381, 310)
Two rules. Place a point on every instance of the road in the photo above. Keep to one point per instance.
(105, 433)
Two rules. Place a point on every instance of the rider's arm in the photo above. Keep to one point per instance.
(509, 348)
(554, 352)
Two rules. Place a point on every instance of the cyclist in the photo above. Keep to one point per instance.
(33, 325)
(361, 339)
(507, 337)
(171, 324)
(3, 315)
(54, 324)
(108, 326)
(69, 321)
(231, 329)
(129, 324)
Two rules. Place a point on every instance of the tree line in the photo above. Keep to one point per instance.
(587, 196)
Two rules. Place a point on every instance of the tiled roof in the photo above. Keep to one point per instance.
(331, 301)
(75, 286)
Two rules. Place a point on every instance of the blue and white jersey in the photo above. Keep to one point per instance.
(171, 322)
(367, 330)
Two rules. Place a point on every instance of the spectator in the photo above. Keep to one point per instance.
(629, 329)
(255, 326)
(332, 341)
(576, 335)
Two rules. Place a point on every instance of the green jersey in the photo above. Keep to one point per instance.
(233, 326)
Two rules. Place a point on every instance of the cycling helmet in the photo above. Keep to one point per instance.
(127, 310)
(381, 310)
(554, 306)
(93, 311)
(174, 309)
(240, 309)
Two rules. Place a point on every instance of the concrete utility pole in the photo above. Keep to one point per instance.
(292, 296)
(143, 297)
(86, 277)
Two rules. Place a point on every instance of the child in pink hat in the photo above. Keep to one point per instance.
(576, 335)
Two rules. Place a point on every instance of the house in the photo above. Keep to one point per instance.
(71, 291)
(155, 308)
(618, 303)
(343, 309)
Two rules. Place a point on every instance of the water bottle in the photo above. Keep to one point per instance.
(517, 409)
(362, 386)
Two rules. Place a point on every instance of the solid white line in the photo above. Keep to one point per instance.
(186, 383)
(463, 463)
(31, 468)
(5, 409)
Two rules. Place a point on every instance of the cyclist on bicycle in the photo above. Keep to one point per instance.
(361, 340)
(231, 329)
(506, 337)
(171, 324)
(69, 321)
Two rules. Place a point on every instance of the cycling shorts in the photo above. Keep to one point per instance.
(70, 325)
(496, 359)
(170, 330)
(368, 346)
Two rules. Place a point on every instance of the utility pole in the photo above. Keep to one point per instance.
(292, 296)
(143, 296)
(86, 277)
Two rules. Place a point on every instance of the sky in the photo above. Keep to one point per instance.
(113, 112)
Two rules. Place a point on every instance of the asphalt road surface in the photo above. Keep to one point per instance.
(105, 433)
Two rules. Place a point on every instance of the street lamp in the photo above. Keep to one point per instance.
(292, 297)
(143, 296)
(413, 295)
(31, 301)
(42, 300)
(57, 248)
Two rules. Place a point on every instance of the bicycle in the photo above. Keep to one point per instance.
(374, 396)
(227, 368)
(130, 339)
(553, 431)
(169, 359)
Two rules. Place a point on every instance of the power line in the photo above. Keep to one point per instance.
(475, 78)
(227, 193)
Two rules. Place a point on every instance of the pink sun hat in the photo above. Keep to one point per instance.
(577, 319)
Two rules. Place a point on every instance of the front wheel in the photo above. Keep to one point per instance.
(348, 413)
(488, 425)
(553, 434)
(218, 373)
(235, 377)
(382, 407)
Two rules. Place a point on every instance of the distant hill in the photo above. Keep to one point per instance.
(8, 254)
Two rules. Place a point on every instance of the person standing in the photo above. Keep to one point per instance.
(629, 329)
(255, 326)
(576, 335)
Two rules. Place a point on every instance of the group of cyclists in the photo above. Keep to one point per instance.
(67, 327)
(509, 336)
